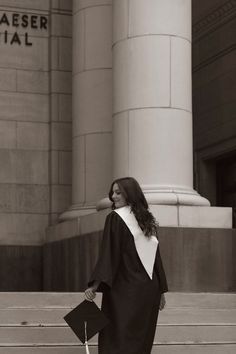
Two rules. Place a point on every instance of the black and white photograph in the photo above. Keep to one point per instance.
(117, 176)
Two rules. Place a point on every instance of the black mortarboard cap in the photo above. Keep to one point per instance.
(86, 319)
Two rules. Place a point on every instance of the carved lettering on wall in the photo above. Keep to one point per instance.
(11, 23)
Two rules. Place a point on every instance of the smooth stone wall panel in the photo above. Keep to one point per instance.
(54, 4)
(21, 268)
(23, 198)
(79, 170)
(61, 25)
(54, 53)
(22, 228)
(74, 254)
(65, 162)
(205, 260)
(32, 136)
(98, 34)
(205, 216)
(34, 57)
(27, 4)
(15, 163)
(7, 134)
(31, 198)
(61, 107)
(65, 5)
(61, 136)
(24, 107)
(82, 4)
(214, 70)
(28, 168)
(166, 215)
(61, 82)
(94, 106)
(219, 116)
(32, 81)
(216, 135)
(65, 108)
(211, 96)
(78, 42)
(60, 198)
(216, 113)
(54, 166)
(8, 79)
(65, 54)
(98, 166)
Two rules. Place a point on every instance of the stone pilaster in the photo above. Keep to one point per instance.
(92, 105)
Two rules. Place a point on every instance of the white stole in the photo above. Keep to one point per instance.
(146, 246)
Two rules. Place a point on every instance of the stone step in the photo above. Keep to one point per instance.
(191, 349)
(174, 300)
(164, 334)
(192, 323)
(197, 316)
(195, 334)
(54, 316)
(161, 349)
(41, 299)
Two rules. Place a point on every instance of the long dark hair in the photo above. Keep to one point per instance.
(135, 198)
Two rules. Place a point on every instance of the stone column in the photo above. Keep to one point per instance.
(152, 106)
(92, 105)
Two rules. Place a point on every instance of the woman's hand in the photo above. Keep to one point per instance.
(90, 293)
(162, 302)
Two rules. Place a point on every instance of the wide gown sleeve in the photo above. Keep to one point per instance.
(159, 269)
(110, 254)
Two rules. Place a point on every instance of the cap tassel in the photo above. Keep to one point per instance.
(86, 339)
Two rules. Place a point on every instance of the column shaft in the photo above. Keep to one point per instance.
(152, 107)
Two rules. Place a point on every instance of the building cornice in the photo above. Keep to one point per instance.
(214, 20)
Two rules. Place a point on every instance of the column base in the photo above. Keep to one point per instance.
(193, 216)
(166, 215)
(75, 211)
(103, 204)
(164, 195)
(182, 208)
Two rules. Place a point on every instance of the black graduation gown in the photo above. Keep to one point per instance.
(130, 298)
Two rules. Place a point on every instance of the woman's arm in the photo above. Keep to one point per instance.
(110, 254)
(160, 271)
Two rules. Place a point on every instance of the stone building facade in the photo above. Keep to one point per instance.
(35, 132)
(128, 64)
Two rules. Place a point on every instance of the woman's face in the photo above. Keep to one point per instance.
(117, 197)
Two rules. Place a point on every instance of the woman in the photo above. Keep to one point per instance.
(129, 272)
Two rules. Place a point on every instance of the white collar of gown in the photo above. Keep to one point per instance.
(146, 246)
